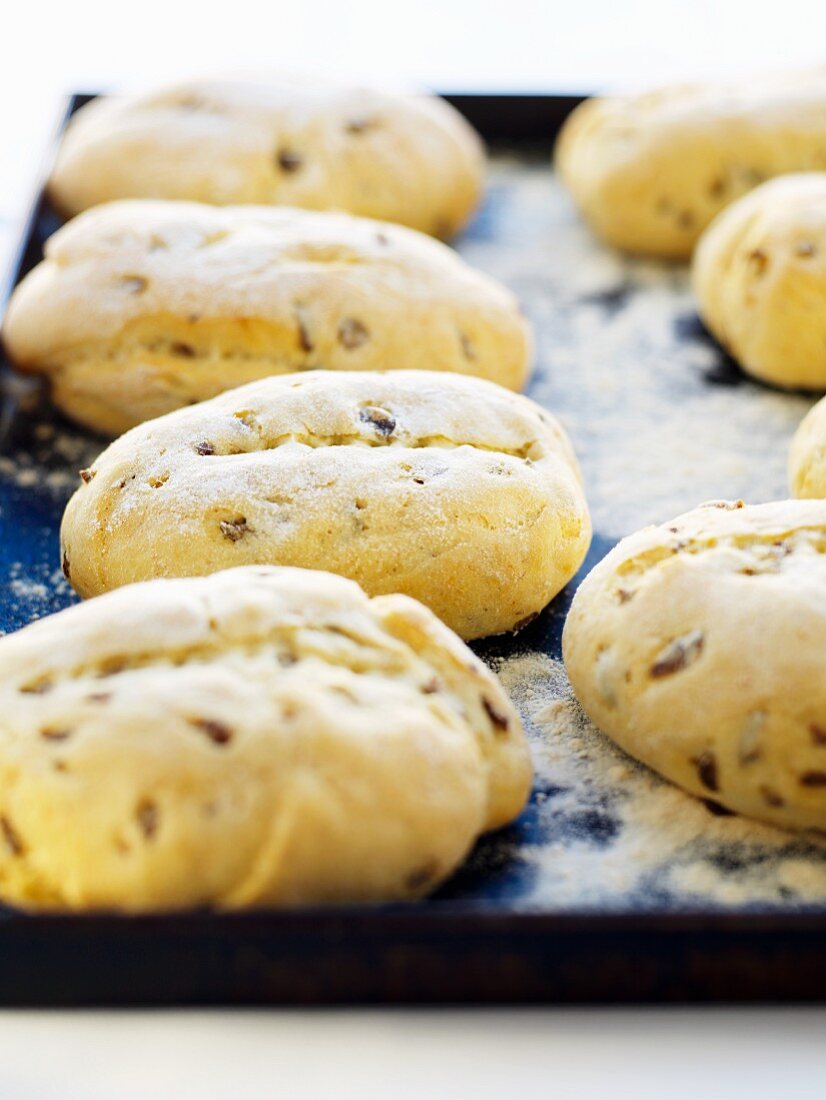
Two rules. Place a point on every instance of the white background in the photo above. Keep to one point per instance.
(579, 45)
(392, 1055)
(54, 46)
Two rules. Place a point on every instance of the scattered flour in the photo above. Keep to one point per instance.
(27, 589)
(660, 422)
(647, 843)
(623, 363)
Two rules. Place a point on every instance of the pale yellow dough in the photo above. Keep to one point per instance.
(287, 141)
(259, 737)
(698, 647)
(649, 172)
(449, 489)
(807, 457)
(759, 274)
(143, 307)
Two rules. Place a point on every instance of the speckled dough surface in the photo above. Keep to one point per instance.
(649, 172)
(807, 455)
(759, 273)
(661, 420)
(287, 141)
(143, 307)
(446, 488)
(698, 646)
(260, 737)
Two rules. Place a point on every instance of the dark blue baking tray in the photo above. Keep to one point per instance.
(471, 942)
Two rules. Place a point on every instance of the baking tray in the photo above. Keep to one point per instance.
(611, 886)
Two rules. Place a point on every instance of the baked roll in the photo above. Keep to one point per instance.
(448, 489)
(649, 172)
(698, 647)
(261, 737)
(143, 307)
(285, 142)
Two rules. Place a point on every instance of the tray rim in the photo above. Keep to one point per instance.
(531, 938)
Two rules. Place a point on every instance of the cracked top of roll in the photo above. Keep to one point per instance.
(450, 489)
(698, 646)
